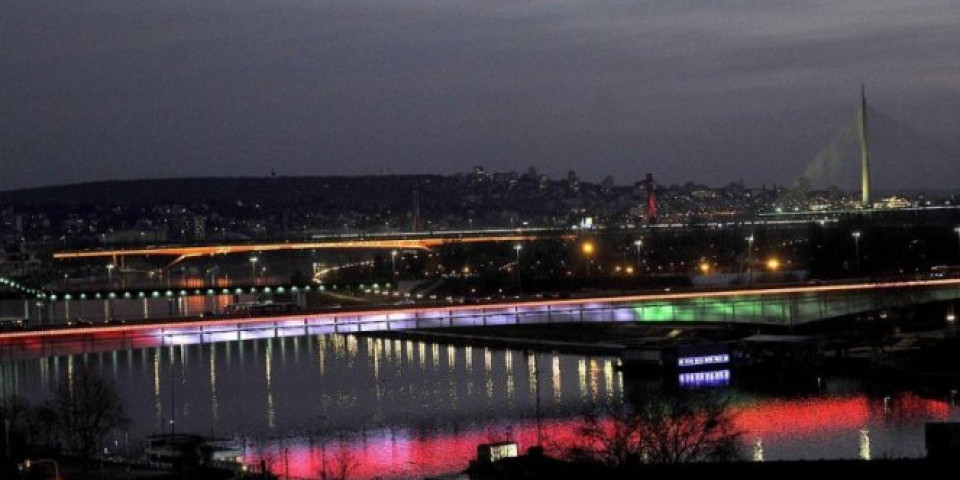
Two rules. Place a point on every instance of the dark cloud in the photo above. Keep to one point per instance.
(706, 91)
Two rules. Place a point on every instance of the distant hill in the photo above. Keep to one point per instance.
(272, 190)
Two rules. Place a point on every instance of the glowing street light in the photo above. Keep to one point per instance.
(957, 231)
(587, 248)
(952, 321)
(517, 248)
(393, 262)
(639, 244)
(750, 258)
(253, 269)
(704, 268)
(773, 264)
(110, 268)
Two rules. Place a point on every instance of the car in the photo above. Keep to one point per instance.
(79, 322)
(114, 321)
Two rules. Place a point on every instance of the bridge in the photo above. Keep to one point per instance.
(780, 306)
(416, 240)
(383, 241)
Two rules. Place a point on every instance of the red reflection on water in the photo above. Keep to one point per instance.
(776, 418)
(407, 454)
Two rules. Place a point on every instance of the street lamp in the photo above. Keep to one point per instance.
(588, 248)
(750, 259)
(253, 270)
(393, 262)
(639, 244)
(957, 230)
(110, 268)
(517, 248)
(773, 264)
(952, 321)
(856, 247)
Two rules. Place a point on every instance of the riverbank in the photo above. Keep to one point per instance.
(532, 467)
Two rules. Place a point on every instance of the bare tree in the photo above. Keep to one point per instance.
(87, 408)
(680, 428)
(345, 463)
(611, 436)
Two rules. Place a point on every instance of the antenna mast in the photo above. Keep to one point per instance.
(864, 151)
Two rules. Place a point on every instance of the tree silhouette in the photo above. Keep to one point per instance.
(87, 407)
(680, 428)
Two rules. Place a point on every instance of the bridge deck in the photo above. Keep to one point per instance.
(771, 306)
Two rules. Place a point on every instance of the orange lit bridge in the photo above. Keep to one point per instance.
(779, 306)
(401, 241)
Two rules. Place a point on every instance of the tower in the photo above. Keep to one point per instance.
(864, 151)
(651, 213)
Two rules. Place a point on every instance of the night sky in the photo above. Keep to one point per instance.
(690, 90)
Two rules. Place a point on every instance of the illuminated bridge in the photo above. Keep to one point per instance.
(407, 240)
(388, 241)
(786, 306)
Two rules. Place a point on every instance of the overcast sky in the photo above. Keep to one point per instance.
(709, 91)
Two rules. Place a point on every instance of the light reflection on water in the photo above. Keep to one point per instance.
(408, 407)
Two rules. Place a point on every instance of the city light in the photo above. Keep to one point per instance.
(704, 268)
(587, 248)
(957, 229)
(773, 264)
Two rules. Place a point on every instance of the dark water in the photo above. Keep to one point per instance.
(400, 408)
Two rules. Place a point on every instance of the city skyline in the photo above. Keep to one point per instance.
(716, 94)
(535, 239)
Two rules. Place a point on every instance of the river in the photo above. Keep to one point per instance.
(394, 408)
